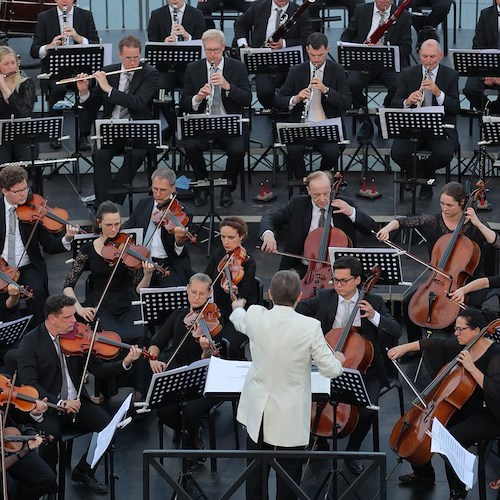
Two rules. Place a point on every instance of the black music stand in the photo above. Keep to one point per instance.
(32, 131)
(156, 303)
(128, 135)
(367, 59)
(12, 331)
(414, 125)
(259, 61)
(209, 127)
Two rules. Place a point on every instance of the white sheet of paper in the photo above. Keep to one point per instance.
(464, 462)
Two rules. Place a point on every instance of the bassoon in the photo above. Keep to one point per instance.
(381, 30)
(286, 26)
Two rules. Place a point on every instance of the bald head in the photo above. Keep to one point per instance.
(430, 54)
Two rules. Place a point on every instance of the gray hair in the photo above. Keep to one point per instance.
(164, 174)
(202, 278)
(214, 34)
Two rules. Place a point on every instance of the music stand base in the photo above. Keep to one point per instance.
(369, 194)
(266, 197)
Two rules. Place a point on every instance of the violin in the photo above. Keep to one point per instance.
(447, 393)
(171, 217)
(106, 345)
(205, 323)
(359, 353)
(14, 440)
(457, 256)
(318, 274)
(36, 210)
(231, 266)
(8, 276)
(134, 255)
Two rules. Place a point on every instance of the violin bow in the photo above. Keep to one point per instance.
(296, 256)
(9, 397)
(163, 217)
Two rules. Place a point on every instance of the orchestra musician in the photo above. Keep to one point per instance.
(17, 100)
(430, 84)
(52, 31)
(275, 403)
(225, 81)
(125, 95)
(373, 321)
(433, 226)
(460, 294)
(323, 86)
(233, 231)
(115, 313)
(199, 289)
(167, 249)
(437, 15)
(367, 18)
(485, 37)
(478, 419)
(208, 7)
(32, 266)
(39, 365)
(302, 214)
(257, 24)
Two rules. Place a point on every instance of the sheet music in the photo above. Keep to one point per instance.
(397, 61)
(184, 43)
(258, 50)
(464, 462)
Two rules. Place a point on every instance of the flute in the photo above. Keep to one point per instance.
(89, 77)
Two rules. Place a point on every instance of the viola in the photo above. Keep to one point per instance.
(318, 275)
(171, 217)
(8, 276)
(134, 255)
(447, 393)
(457, 256)
(205, 323)
(106, 345)
(36, 210)
(231, 266)
(359, 353)
(14, 440)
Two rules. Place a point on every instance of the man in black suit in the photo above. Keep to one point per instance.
(126, 95)
(207, 7)
(254, 28)
(14, 235)
(430, 84)
(366, 19)
(50, 33)
(57, 378)
(485, 37)
(439, 12)
(323, 86)
(303, 213)
(333, 308)
(224, 82)
(167, 249)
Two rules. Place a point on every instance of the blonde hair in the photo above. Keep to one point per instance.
(6, 51)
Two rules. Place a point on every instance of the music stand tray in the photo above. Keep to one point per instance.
(124, 133)
(156, 303)
(358, 56)
(310, 132)
(476, 63)
(263, 61)
(69, 61)
(173, 57)
(12, 331)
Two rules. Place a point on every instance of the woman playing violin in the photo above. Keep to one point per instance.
(433, 226)
(198, 292)
(17, 99)
(116, 313)
(233, 230)
(478, 419)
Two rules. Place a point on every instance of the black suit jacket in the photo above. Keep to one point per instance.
(160, 23)
(138, 100)
(398, 34)
(296, 214)
(47, 27)
(39, 365)
(486, 35)
(254, 22)
(234, 72)
(298, 78)
(324, 306)
(140, 217)
(41, 239)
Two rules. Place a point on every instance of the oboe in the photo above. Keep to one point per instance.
(175, 22)
(422, 90)
(65, 25)
(210, 97)
(307, 102)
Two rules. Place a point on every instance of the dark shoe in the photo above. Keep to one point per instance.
(322, 444)
(457, 495)
(413, 478)
(425, 193)
(365, 132)
(355, 466)
(200, 198)
(85, 144)
(226, 198)
(56, 144)
(90, 482)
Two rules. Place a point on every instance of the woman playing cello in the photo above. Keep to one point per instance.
(478, 419)
(433, 226)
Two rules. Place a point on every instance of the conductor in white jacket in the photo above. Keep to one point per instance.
(275, 404)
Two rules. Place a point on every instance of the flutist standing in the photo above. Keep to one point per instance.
(314, 91)
(430, 84)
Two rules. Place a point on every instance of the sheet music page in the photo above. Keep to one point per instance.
(464, 462)
(319, 384)
(225, 376)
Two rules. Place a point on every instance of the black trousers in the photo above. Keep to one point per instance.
(357, 82)
(213, 5)
(266, 85)
(34, 280)
(474, 90)
(292, 466)
(296, 165)
(437, 15)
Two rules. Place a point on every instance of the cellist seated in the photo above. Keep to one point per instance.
(477, 419)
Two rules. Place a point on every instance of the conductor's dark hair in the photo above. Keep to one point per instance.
(317, 40)
(285, 288)
(106, 207)
(351, 263)
(55, 304)
(456, 191)
(474, 317)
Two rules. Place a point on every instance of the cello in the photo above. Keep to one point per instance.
(319, 274)
(359, 353)
(457, 256)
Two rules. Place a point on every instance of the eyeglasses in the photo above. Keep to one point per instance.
(131, 58)
(198, 294)
(213, 51)
(160, 190)
(315, 196)
(342, 281)
(18, 191)
(460, 329)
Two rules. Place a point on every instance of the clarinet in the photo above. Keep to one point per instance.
(65, 25)
(307, 102)
(421, 88)
(210, 97)
(175, 22)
